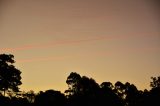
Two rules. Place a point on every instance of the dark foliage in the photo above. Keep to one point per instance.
(82, 91)
(10, 77)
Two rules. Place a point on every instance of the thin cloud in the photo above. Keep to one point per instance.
(38, 59)
(51, 44)
(49, 58)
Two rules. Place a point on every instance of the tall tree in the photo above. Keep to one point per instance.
(132, 95)
(155, 91)
(10, 77)
(73, 81)
(82, 90)
(108, 97)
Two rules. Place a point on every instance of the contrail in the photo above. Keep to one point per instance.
(51, 44)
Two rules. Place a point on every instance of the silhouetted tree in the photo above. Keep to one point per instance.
(89, 91)
(155, 91)
(82, 90)
(107, 85)
(50, 98)
(132, 95)
(10, 77)
(128, 93)
(108, 96)
(30, 95)
(120, 89)
(155, 83)
(73, 81)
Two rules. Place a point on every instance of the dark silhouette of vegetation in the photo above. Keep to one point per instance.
(9, 75)
(50, 98)
(82, 91)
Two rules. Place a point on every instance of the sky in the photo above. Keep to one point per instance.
(108, 40)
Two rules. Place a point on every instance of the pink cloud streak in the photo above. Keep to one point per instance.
(49, 58)
(38, 59)
(51, 44)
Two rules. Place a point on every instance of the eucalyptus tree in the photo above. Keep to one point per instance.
(10, 76)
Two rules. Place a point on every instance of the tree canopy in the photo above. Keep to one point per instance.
(10, 77)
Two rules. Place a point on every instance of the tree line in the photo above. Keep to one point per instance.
(82, 91)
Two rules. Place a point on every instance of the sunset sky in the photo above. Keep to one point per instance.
(108, 40)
